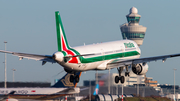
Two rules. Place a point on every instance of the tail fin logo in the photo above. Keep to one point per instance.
(66, 81)
(61, 37)
(64, 46)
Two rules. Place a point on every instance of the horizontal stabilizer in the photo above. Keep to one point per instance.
(44, 58)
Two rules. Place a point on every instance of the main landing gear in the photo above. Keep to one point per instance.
(121, 78)
(74, 77)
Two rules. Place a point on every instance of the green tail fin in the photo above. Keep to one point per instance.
(61, 37)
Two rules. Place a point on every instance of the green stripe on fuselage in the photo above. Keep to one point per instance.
(106, 57)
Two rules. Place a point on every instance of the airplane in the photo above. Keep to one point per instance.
(62, 88)
(119, 54)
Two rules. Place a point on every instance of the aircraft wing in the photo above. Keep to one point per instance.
(120, 62)
(44, 58)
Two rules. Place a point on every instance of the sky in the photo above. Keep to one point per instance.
(29, 27)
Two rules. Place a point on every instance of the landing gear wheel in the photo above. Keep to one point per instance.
(77, 78)
(122, 79)
(117, 79)
(71, 78)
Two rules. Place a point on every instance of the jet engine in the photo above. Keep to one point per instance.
(140, 69)
(58, 56)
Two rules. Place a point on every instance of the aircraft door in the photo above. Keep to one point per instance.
(123, 50)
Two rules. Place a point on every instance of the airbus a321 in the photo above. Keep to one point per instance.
(119, 54)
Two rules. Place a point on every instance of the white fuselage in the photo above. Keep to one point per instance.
(35, 93)
(104, 53)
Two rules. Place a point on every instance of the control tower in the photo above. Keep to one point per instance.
(132, 30)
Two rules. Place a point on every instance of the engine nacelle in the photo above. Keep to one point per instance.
(58, 56)
(140, 69)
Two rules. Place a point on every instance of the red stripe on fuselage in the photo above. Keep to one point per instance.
(69, 52)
